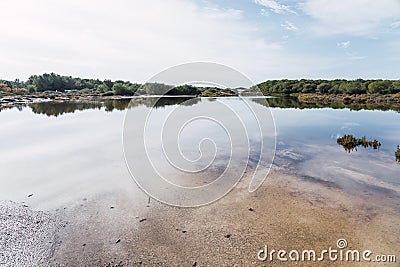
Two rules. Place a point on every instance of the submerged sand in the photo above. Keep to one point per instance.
(287, 212)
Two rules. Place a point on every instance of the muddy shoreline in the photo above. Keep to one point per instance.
(287, 212)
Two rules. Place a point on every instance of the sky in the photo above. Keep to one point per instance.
(264, 39)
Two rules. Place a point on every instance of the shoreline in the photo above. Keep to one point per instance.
(287, 212)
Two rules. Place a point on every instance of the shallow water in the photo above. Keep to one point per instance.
(64, 152)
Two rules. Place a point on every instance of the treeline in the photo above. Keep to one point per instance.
(51, 82)
(338, 86)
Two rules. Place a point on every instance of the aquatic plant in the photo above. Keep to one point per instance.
(350, 143)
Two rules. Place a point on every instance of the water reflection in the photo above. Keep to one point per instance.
(193, 153)
(158, 102)
(350, 143)
(60, 155)
(293, 102)
(57, 108)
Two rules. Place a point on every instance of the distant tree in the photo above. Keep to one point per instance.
(120, 89)
(297, 86)
(379, 87)
(395, 87)
(309, 88)
(56, 82)
(102, 88)
(109, 83)
(351, 87)
(184, 90)
(134, 88)
(324, 87)
(156, 88)
(31, 88)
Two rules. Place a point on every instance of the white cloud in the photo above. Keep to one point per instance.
(354, 57)
(344, 44)
(264, 12)
(357, 17)
(349, 54)
(127, 39)
(134, 40)
(290, 26)
(395, 25)
(275, 7)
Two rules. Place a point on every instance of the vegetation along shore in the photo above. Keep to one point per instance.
(355, 94)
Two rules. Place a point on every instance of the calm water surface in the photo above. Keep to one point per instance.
(63, 152)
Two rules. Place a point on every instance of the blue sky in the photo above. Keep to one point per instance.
(264, 39)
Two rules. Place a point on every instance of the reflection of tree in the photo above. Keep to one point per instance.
(397, 154)
(58, 108)
(163, 101)
(118, 104)
(10, 107)
(293, 102)
(122, 104)
(350, 143)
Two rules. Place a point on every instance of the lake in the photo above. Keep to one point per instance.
(64, 152)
